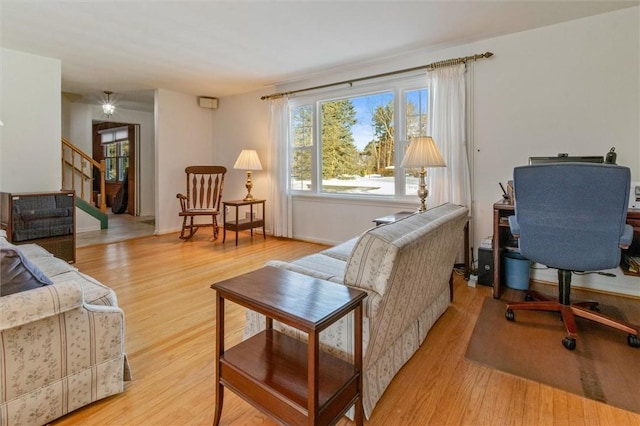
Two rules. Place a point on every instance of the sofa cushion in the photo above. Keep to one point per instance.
(17, 271)
(341, 251)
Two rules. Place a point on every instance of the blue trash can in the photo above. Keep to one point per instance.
(516, 271)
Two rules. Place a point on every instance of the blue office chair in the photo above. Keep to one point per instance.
(571, 216)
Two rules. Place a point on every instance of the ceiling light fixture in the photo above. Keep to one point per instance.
(108, 107)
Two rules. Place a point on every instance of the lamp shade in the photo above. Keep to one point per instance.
(422, 152)
(248, 160)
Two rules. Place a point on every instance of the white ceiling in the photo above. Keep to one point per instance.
(221, 48)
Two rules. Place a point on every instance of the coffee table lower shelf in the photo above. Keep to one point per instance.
(270, 371)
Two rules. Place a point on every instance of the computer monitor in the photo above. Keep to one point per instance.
(566, 158)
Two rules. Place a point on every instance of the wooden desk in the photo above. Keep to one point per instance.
(293, 382)
(502, 237)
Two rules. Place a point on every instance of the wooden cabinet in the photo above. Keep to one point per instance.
(44, 218)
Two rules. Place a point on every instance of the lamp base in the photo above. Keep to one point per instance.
(248, 185)
(423, 192)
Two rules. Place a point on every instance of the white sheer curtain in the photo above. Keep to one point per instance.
(447, 128)
(280, 218)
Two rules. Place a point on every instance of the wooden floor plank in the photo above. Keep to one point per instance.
(163, 283)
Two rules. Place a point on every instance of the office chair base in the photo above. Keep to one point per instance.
(569, 343)
(569, 313)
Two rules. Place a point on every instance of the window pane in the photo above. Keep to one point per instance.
(123, 164)
(302, 145)
(111, 150)
(122, 133)
(110, 172)
(123, 148)
(302, 126)
(357, 145)
(416, 113)
(301, 169)
(106, 137)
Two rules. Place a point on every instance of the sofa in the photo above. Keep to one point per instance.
(405, 268)
(42, 216)
(61, 337)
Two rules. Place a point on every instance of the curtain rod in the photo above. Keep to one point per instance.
(428, 67)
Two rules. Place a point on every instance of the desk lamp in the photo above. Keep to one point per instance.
(248, 160)
(422, 153)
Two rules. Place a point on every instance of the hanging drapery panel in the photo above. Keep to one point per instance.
(281, 223)
(447, 128)
(428, 67)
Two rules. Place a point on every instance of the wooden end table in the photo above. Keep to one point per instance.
(291, 381)
(238, 224)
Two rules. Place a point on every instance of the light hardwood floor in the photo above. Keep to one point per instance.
(162, 285)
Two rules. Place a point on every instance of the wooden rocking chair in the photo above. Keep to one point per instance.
(204, 193)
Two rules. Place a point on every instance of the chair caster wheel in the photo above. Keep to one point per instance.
(569, 343)
(509, 315)
(633, 341)
(528, 298)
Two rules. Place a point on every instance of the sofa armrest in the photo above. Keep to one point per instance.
(292, 266)
(32, 305)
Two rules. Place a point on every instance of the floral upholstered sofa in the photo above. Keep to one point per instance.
(405, 268)
(61, 337)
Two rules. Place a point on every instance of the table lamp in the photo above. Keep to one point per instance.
(422, 153)
(248, 160)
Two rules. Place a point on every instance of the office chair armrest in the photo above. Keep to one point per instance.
(627, 237)
(515, 227)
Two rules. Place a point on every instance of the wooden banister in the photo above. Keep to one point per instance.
(77, 173)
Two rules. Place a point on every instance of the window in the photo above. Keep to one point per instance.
(349, 144)
(115, 149)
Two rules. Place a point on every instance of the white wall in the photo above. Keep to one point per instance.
(183, 137)
(571, 87)
(31, 111)
(242, 122)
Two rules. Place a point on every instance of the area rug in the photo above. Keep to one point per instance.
(603, 366)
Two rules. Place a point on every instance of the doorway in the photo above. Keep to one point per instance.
(118, 144)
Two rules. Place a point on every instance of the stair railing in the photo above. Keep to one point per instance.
(77, 174)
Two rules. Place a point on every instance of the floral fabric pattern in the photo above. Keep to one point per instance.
(58, 351)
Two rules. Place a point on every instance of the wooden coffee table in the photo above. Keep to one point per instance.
(291, 381)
